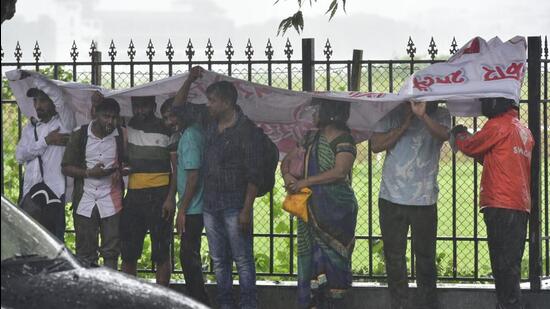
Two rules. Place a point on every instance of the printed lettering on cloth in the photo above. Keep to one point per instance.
(480, 69)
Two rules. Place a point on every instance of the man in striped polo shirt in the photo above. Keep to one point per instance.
(150, 201)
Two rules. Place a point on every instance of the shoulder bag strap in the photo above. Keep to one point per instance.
(39, 157)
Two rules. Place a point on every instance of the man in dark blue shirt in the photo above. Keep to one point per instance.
(231, 177)
(232, 163)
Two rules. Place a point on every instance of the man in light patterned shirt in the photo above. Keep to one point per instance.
(412, 136)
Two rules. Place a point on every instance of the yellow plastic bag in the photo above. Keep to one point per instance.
(296, 203)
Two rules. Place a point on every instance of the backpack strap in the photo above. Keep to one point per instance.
(121, 157)
(119, 139)
(83, 142)
(119, 144)
(40, 164)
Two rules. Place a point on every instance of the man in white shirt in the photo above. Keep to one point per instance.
(94, 158)
(46, 138)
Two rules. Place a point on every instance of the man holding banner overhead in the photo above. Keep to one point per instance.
(503, 146)
(412, 136)
(41, 149)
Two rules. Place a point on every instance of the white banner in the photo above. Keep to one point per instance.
(479, 69)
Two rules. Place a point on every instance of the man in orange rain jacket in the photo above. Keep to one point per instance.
(504, 148)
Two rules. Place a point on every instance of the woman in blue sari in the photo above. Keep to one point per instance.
(326, 240)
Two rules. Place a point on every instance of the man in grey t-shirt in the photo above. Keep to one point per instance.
(412, 136)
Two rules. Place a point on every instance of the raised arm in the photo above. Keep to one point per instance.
(181, 96)
(386, 140)
(66, 115)
(436, 129)
(478, 144)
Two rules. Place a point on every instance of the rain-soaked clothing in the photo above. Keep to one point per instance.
(504, 146)
(149, 157)
(142, 212)
(227, 243)
(87, 230)
(409, 175)
(395, 220)
(32, 146)
(326, 241)
(190, 151)
(190, 258)
(506, 231)
(231, 162)
(408, 198)
(149, 153)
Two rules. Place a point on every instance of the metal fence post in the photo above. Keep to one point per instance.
(533, 80)
(356, 68)
(308, 64)
(96, 68)
(2, 131)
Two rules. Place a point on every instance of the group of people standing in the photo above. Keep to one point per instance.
(199, 154)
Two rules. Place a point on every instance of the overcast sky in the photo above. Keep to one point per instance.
(380, 28)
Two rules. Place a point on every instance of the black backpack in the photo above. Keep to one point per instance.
(270, 157)
(270, 161)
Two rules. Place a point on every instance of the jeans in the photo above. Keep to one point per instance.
(227, 243)
(394, 224)
(190, 257)
(506, 232)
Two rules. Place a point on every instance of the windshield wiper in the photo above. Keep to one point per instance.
(57, 265)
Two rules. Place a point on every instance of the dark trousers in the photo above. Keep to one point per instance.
(506, 232)
(190, 257)
(87, 231)
(59, 224)
(142, 212)
(395, 220)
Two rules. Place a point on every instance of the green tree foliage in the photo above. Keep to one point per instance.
(296, 21)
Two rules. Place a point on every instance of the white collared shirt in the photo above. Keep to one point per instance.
(28, 150)
(104, 192)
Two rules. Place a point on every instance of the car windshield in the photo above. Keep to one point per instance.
(23, 238)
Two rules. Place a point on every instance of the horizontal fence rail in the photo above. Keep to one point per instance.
(462, 253)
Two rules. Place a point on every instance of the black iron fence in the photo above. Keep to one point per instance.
(462, 253)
